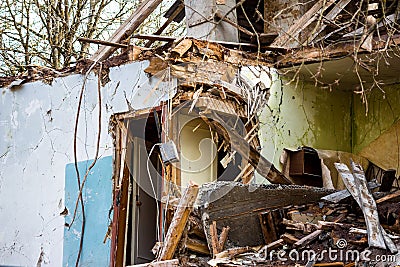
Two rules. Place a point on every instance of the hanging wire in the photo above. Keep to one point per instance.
(154, 191)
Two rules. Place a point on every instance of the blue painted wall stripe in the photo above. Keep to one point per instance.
(97, 196)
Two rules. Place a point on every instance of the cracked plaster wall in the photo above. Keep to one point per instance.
(304, 115)
(376, 133)
(36, 143)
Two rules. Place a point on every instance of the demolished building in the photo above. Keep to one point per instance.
(213, 149)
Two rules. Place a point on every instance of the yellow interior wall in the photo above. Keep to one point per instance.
(198, 153)
(376, 127)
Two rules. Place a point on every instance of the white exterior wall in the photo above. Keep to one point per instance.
(36, 142)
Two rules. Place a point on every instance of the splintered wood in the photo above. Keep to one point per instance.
(357, 186)
(285, 227)
(168, 263)
(301, 24)
(218, 244)
(178, 223)
(127, 28)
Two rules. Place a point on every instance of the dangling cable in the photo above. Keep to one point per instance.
(154, 191)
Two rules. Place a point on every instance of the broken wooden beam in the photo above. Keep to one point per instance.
(106, 43)
(177, 11)
(337, 8)
(178, 223)
(356, 183)
(197, 246)
(375, 237)
(389, 197)
(275, 244)
(214, 238)
(222, 238)
(239, 144)
(127, 28)
(232, 252)
(167, 263)
(325, 225)
(307, 239)
(343, 194)
(218, 243)
(219, 16)
(370, 204)
(301, 24)
(289, 238)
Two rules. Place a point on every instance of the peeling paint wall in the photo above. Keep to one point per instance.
(304, 115)
(377, 132)
(36, 143)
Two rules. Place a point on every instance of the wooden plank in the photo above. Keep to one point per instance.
(289, 238)
(238, 206)
(388, 197)
(268, 227)
(275, 244)
(239, 144)
(166, 23)
(375, 237)
(95, 41)
(302, 23)
(343, 194)
(223, 237)
(214, 238)
(164, 38)
(307, 239)
(178, 223)
(167, 263)
(370, 204)
(232, 252)
(197, 246)
(330, 16)
(127, 28)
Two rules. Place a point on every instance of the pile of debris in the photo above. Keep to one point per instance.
(233, 224)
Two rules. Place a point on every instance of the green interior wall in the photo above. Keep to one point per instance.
(383, 113)
(304, 115)
(376, 132)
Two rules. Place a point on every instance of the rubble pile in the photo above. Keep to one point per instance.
(233, 224)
